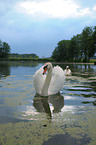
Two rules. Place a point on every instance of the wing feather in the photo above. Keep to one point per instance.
(57, 80)
(39, 79)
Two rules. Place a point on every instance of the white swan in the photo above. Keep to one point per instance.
(67, 71)
(51, 83)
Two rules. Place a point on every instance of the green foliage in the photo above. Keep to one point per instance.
(23, 56)
(4, 49)
(60, 53)
(80, 47)
(87, 43)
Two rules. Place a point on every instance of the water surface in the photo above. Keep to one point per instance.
(66, 118)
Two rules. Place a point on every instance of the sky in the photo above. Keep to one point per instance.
(36, 26)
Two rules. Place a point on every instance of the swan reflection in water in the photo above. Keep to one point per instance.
(42, 104)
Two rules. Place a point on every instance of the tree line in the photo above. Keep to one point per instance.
(29, 56)
(80, 48)
(5, 52)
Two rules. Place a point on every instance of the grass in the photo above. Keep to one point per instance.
(92, 60)
(26, 59)
(37, 59)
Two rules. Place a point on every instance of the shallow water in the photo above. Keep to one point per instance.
(66, 118)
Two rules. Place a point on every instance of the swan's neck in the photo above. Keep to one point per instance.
(44, 91)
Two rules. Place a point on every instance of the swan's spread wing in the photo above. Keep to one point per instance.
(39, 79)
(57, 80)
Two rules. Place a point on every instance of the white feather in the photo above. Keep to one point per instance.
(39, 80)
(56, 83)
(57, 80)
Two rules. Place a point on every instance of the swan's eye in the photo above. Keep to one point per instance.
(45, 67)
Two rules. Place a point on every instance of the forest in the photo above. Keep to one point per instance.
(80, 48)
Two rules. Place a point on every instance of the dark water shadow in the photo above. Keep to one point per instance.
(4, 69)
(67, 139)
(7, 115)
(42, 104)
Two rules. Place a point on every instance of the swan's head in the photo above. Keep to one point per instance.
(46, 67)
(67, 67)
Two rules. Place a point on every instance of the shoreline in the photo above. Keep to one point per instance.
(47, 61)
(43, 60)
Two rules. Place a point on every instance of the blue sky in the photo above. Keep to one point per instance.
(36, 26)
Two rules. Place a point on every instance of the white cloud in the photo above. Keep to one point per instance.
(94, 8)
(83, 12)
(52, 8)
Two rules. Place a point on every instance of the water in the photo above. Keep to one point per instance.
(64, 119)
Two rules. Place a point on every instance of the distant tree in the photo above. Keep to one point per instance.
(4, 50)
(16, 55)
(75, 51)
(93, 41)
(56, 54)
(82, 45)
(87, 43)
(0, 48)
(72, 49)
(60, 53)
(79, 45)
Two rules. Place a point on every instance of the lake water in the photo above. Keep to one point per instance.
(68, 118)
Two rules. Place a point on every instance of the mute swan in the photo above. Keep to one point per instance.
(51, 83)
(67, 71)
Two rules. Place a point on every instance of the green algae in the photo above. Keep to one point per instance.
(26, 133)
(38, 131)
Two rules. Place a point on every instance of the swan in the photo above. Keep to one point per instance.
(67, 71)
(51, 83)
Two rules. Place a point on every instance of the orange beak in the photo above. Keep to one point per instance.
(45, 69)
